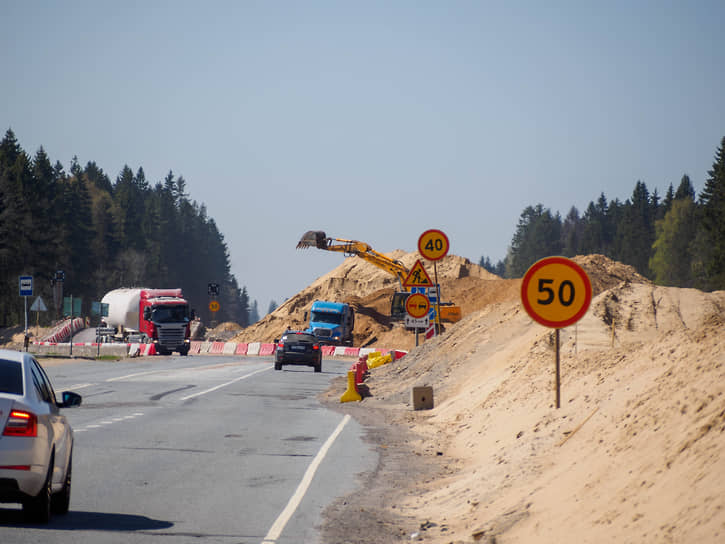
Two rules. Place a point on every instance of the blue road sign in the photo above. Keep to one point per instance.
(26, 286)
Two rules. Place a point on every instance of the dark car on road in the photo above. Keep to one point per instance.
(298, 348)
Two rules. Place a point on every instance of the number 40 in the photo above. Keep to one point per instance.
(566, 292)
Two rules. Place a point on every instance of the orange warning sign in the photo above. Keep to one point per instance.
(418, 277)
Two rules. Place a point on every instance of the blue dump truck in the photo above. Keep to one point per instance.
(332, 322)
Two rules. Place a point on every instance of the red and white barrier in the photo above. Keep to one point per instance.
(261, 349)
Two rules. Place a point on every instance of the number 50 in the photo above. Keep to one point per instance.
(566, 292)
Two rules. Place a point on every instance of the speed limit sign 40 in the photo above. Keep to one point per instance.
(556, 292)
(433, 244)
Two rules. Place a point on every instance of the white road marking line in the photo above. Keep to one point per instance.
(212, 389)
(107, 422)
(279, 525)
(78, 386)
(119, 378)
(167, 370)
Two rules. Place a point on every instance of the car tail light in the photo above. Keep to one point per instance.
(280, 345)
(315, 346)
(21, 423)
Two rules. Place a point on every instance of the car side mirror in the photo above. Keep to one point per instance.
(70, 399)
(193, 315)
(147, 313)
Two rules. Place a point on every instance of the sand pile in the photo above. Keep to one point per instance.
(635, 453)
(369, 289)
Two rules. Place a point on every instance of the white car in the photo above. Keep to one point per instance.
(36, 444)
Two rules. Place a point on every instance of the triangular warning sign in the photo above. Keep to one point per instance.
(418, 277)
(38, 306)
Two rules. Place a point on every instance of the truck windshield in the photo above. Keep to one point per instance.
(324, 317)
(169, 314)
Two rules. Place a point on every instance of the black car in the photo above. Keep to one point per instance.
(298, 348)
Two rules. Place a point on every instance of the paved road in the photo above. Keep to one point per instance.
(199, 449)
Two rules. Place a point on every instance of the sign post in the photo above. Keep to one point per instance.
(433, 245)
(37, 307)
(556, 292)
(26, 290)
(417, 306)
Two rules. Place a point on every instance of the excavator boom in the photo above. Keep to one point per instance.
(318, 239)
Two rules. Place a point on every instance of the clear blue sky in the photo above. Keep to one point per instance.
(371, 120)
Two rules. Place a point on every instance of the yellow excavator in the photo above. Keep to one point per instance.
(316, 238)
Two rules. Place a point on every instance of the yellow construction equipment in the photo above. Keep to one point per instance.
(317, 238)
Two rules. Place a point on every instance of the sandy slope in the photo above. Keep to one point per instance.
(635, 453)
(369, 289)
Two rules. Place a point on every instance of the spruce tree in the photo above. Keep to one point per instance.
(710, 266)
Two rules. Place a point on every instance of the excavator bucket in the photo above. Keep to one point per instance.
(313, 238)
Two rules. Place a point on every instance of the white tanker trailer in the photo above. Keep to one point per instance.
(159, 316)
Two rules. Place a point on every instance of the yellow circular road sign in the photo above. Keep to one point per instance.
(214, 306)
(433, 244)
(417, 305)
(556, 292)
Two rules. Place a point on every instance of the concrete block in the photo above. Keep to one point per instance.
(422, 397)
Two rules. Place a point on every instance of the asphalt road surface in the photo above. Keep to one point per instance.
(199, 449)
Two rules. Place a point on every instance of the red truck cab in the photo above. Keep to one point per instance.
(164, 317)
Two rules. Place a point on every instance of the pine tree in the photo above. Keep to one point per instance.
(635, 231)
(710, 265)
(571, 233)
(253, 313)
(685, 189)
(538, 235)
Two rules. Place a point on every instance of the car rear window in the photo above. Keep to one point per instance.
(299, 338)
(11, 377)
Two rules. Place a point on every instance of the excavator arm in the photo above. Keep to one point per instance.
(318, 239)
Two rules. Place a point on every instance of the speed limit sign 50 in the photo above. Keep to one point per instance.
(556, 292)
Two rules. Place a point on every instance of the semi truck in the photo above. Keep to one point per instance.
(158, 316)
(332, 322)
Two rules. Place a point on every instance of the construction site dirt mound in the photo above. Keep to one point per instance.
(369, 290)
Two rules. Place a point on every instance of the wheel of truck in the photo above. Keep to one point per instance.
(184, 351)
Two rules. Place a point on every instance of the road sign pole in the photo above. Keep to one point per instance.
(438, 298)
(558, 380)
(25, 339)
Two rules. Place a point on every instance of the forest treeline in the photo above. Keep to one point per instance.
(678, 240)
(105, 234)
